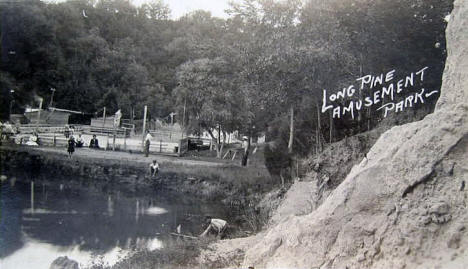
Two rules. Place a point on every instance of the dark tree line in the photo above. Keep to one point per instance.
(262, 69)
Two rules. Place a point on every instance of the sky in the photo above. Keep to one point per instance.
(182, 7)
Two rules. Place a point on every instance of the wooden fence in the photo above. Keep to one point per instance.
(106, 143)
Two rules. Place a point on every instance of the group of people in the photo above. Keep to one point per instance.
(79, 143)
(7, 130)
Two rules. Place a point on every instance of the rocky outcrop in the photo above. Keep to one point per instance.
(404, 205)
(64, 263)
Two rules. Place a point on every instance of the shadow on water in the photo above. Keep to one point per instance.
(69, 215)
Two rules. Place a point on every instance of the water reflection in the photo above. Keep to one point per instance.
(40, 222)
(35, 254)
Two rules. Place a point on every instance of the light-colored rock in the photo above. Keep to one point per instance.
(298, 201)
(395, 210)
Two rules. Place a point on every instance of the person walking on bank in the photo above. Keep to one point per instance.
(71, 146)
(148, 138)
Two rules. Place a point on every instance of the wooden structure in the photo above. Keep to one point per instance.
(50, 116)
(107, 122)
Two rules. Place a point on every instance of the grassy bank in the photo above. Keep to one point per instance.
(180, 254)
(227, 182)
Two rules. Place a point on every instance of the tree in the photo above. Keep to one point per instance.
(206, 91)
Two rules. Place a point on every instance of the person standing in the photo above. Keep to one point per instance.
(148, 138)
(94, 143)
(66, 131)
(245, 153)
(71, 146)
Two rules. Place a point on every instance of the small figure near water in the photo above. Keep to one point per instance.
(217, 225)
(71, 146)
(94, 143)
(154, 168)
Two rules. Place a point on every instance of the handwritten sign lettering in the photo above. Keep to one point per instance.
(379, 90)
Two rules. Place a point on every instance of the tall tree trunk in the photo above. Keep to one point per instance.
(218, 144)
(369, 115)
(291, 130)
(360, 97)
(331, 127)
(319, 128)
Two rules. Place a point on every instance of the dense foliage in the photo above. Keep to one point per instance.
(262, 69)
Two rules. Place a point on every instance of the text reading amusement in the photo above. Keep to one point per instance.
(384, 96)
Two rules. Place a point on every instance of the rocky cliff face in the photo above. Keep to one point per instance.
(403, 206)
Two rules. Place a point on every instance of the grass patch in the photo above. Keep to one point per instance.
(177, 253)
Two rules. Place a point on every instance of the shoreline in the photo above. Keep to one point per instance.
(228, 185)
(209, 181)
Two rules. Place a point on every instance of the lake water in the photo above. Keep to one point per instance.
(87, 223)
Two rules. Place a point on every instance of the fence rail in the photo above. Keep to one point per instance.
(105, 142)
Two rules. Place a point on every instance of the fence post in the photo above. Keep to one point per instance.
(104, 118)
(125, 139)
(160, 146)
(107, 142)
(113, 139)
(54, 141)
(180, 148)
(144, 129)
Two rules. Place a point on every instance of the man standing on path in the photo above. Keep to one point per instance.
(71, 146)
(148, 138)
(245, 153)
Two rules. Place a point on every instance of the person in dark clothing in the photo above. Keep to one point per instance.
(71, 146)
(66, 131)
(94, 143)
(245, 153)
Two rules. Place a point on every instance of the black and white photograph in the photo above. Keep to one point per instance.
(233, 134)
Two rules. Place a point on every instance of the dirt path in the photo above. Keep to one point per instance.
(131, 157)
